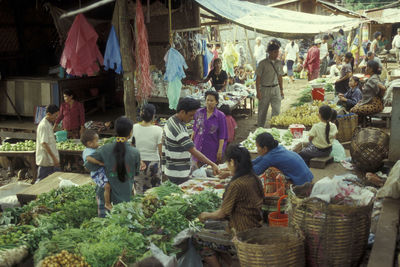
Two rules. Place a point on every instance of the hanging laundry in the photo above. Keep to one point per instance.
(175, 66)
(144, 81)
(81, 54)
(231, 59)
(112, 56)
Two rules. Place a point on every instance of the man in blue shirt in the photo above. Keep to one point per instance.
(271, 154)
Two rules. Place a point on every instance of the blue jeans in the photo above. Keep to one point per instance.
(43, 172)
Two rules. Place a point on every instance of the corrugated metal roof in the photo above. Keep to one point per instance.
(389, 15)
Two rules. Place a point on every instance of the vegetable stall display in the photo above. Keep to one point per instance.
(62, 225)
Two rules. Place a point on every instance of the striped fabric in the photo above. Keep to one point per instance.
(242, 203)
(175, 149)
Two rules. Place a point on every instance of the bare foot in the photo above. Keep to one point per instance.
(108, 206)
(374, 179)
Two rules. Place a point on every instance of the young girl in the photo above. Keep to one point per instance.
(230, 122)
(321, 136)
(121, 162)
(353, 95)
(148, 141)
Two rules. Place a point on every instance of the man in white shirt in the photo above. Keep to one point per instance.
(47, 157)
(396, 45)
(259, 51)
(323, 55)
(371, 56)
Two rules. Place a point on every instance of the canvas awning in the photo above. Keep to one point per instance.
(275, 21)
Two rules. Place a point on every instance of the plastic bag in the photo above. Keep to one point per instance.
(167, 261)
(338, 153)
(65, 183)
(391, 188)
(325, 189)
(191, 257)
(200, 173)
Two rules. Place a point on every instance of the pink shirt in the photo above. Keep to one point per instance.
(231, 126)
(73, 117)
(312, 60)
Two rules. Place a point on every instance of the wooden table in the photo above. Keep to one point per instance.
(27, 156)
(49, 183)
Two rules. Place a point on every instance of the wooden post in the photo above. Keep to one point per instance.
(248, 45)
(125, 38)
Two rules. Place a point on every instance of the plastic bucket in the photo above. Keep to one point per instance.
(61, 136)
(297, 130)
(318, 94)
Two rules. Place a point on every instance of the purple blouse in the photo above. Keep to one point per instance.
(208, 132)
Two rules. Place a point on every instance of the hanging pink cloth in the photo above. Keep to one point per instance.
(144, 82)
(81, 54)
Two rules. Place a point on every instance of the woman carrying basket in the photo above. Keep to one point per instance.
(241, 206)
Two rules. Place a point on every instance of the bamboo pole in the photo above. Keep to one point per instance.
(85, 9)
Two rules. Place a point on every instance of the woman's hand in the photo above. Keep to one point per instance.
(203, 216)
(342, 98)
(219, 155)
(215, 168)
(224, 174)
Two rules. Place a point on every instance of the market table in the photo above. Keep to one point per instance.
(49, 183)
(29, 159)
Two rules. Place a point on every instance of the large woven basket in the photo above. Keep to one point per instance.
(270, 246)
(368, 149)
(346, 125)
(335, 235)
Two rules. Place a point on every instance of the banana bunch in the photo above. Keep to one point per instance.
(306, 114)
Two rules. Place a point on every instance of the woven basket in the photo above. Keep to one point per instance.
(270, 246)
(368, 149)
(335, 235)
(347, 124)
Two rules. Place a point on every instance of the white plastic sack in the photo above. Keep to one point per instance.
(391, 188)
(11, 257)
(200, 173)
(167, 261)
(325, 189)
(8, 198)
(66, 183)
(9, 202)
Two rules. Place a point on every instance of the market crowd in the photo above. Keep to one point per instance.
(144, 155)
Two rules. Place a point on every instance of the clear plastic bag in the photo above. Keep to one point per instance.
(191, 257)
(338, 153)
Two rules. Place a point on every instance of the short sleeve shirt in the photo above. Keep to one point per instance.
(218, 80)
(45, 134)
(267, 73)
(120, 191)
(346, 68)
(371, 89)
(147, 139)
(318, 132)
(242, 203)
(176, 144)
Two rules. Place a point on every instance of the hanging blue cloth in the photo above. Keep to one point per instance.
(175, 65)
(112, 57)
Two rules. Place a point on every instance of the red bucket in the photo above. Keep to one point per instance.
(318, 94)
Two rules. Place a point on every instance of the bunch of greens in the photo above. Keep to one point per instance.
(305, 97)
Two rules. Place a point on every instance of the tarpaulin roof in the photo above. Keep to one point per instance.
(275, 21)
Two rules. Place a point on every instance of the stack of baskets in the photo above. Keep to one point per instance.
(335, 235)
(346, 125)
(270, 246)
(368, 149)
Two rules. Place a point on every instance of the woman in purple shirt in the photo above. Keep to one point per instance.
(209, 129)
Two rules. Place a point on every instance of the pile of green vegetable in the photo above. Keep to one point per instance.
(27, 145)
(286, 138)
(64, 220)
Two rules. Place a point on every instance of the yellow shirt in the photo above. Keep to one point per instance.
(318, 132)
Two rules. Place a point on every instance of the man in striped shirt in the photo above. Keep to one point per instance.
(178, 147)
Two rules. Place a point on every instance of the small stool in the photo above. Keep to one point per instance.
(320, 163)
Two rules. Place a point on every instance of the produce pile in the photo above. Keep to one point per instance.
(70, 145)
(306, 114)
(285, 139)
(27, 145)
(62, 225)
(305, 95)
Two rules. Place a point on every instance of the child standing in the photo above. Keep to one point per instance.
(90, 140)
(321, 135)
(230, 122)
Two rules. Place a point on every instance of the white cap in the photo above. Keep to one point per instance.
(317, 41)
(258, 38)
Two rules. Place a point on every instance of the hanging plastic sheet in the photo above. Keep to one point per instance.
(231, 59)
(81, 54)
(174, 92)
(112, 56)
